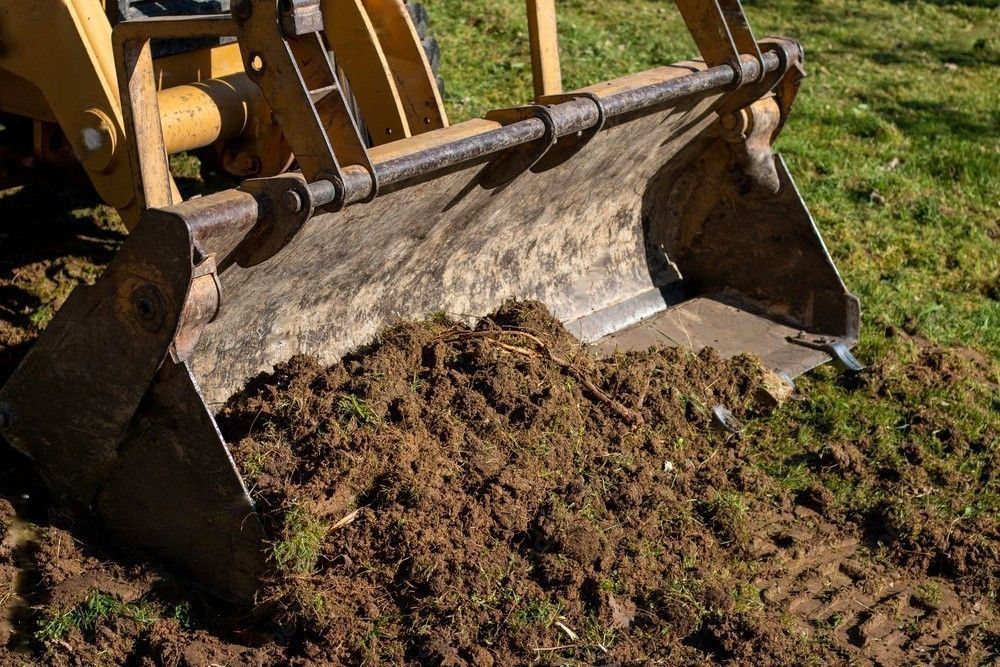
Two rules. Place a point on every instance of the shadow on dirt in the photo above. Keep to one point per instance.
(50, 240)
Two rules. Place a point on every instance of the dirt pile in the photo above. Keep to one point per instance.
(471, 496)
(496, 496)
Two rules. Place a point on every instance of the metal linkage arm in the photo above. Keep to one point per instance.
(721, 32)
(285, 56)
(154, 185)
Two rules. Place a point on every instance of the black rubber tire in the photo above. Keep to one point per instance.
(421, 22)
(123, 10)
(420, 18)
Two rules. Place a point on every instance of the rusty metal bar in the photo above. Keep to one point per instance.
(714, 78)
(155, 187)
(425, 163)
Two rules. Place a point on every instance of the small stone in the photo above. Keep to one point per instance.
(773, 391)
(876, 198)
(951, 67)
(622, 613)
(773, 594)
(724, 420)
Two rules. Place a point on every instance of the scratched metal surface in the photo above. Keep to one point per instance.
(570, 237)
(587, 238)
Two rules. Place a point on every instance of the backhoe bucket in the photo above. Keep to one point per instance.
(646, 210)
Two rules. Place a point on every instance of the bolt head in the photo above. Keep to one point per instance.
(148, 307)
(97, 140)
(292, 201)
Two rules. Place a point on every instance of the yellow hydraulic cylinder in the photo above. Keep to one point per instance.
(198, 114)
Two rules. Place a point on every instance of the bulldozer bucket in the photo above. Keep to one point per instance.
(645, 210)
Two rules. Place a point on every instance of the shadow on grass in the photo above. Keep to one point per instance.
(50, 236)
(919, 53)
(985, 4)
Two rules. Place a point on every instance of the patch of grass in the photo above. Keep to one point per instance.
(298, 550)
(726, 512)
(835, 620)
(535, 611)
(97, 608)
(746, 598)
(183, 613)
(358, 409)
(928, 595)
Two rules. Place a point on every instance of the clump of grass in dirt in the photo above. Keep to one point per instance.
(928, 595)
(96, 609)
(352, 407)
(727, 513)
(302, 537)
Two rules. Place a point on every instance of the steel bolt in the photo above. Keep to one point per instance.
(147, 304)
(97, 140)
(292, 201)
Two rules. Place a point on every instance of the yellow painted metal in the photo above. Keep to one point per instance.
(415, 81)
(543, 36)
(21, 97)
(199, 114)
(351, 35)
(204, 96)
(77, 80)
(214, 62)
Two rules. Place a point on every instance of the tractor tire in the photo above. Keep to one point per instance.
(421, 21)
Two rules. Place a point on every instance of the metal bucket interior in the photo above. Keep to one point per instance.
(596, 239)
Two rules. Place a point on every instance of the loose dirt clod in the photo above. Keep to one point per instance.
(495, 495)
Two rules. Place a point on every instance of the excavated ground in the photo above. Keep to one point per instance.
(495, 496)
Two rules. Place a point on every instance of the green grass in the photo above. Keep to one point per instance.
(96, 609)
(298, 550)
(358, 409)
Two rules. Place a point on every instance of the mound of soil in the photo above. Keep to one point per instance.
(495, 495)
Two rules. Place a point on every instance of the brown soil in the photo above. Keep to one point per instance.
(496, 496)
